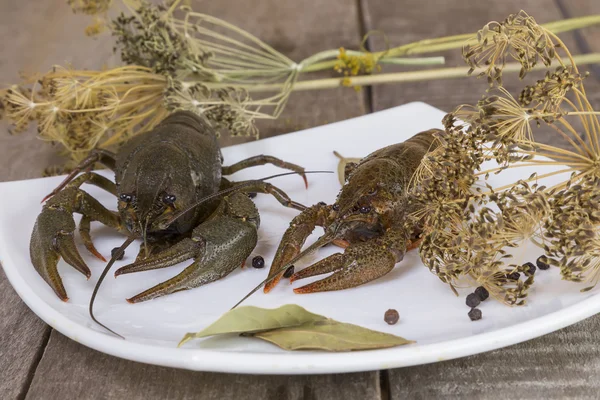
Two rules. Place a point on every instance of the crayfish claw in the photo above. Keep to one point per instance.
(184, 250)
(84, 231)
(66, 247)
(218, 247)
(52, 238)
(361, 263)
(329, 264)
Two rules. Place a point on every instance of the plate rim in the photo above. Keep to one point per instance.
(304, 362)
(212, 360)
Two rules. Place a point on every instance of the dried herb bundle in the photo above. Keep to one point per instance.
(468, 233)
(182, 59)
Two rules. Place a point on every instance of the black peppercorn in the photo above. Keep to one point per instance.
(529, 268)
(514, 276)
(542, 263)
(289, 272)
(475, 314)
(473, 300)
(258, 262)
(482, 293)
(391, 316)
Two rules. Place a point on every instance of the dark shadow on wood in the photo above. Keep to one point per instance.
(384, 384)
(36, 361)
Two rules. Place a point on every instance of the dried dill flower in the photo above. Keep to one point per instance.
(547, 94)
(572, 233)
(205, 65)
(518, 37)
(352, 65)
(82, 110)
(149, 40)
(468, 231)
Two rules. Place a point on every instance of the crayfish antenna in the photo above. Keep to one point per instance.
(117, 254)
(233, 189)
(322, 241)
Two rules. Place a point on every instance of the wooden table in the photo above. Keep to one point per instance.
(37, 362)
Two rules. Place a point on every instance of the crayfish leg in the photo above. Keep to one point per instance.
(104, 157)
(262, 160)
(362, 262)
(52, 236)
(218, 246)
(278, 194)
(294, 238)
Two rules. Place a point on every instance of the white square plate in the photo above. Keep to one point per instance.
(429, 311)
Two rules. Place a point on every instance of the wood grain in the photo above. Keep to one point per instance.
(32, 32)
(289, 26)
(564, 364)
(442, 18)
(69, 370)
(23, 337)
(588, 39)
(413, 22)
(87, 374)
(561, 365)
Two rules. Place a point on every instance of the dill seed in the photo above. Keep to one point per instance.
(391, 316)
(542, 263)
(473, 300)
(289, 272)
(258, 262)
(114, 251)
(475, 314)
(482, 293)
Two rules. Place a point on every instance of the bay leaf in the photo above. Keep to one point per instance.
(250, 319)
(330, 335)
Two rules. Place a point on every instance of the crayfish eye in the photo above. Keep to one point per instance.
(169, 199)
(126, 198)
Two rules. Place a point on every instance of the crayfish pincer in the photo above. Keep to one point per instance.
(168, 185)
(368, 220)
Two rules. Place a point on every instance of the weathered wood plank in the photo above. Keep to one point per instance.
(87, 374)
(564, 364)
(22, 339)
(41, 41)
(32, 34)
(416, 20)
(299, 29)
(69, 370)
(35, 38)
(559, 365)
(588, 39)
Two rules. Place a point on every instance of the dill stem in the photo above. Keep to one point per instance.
(397, 77)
